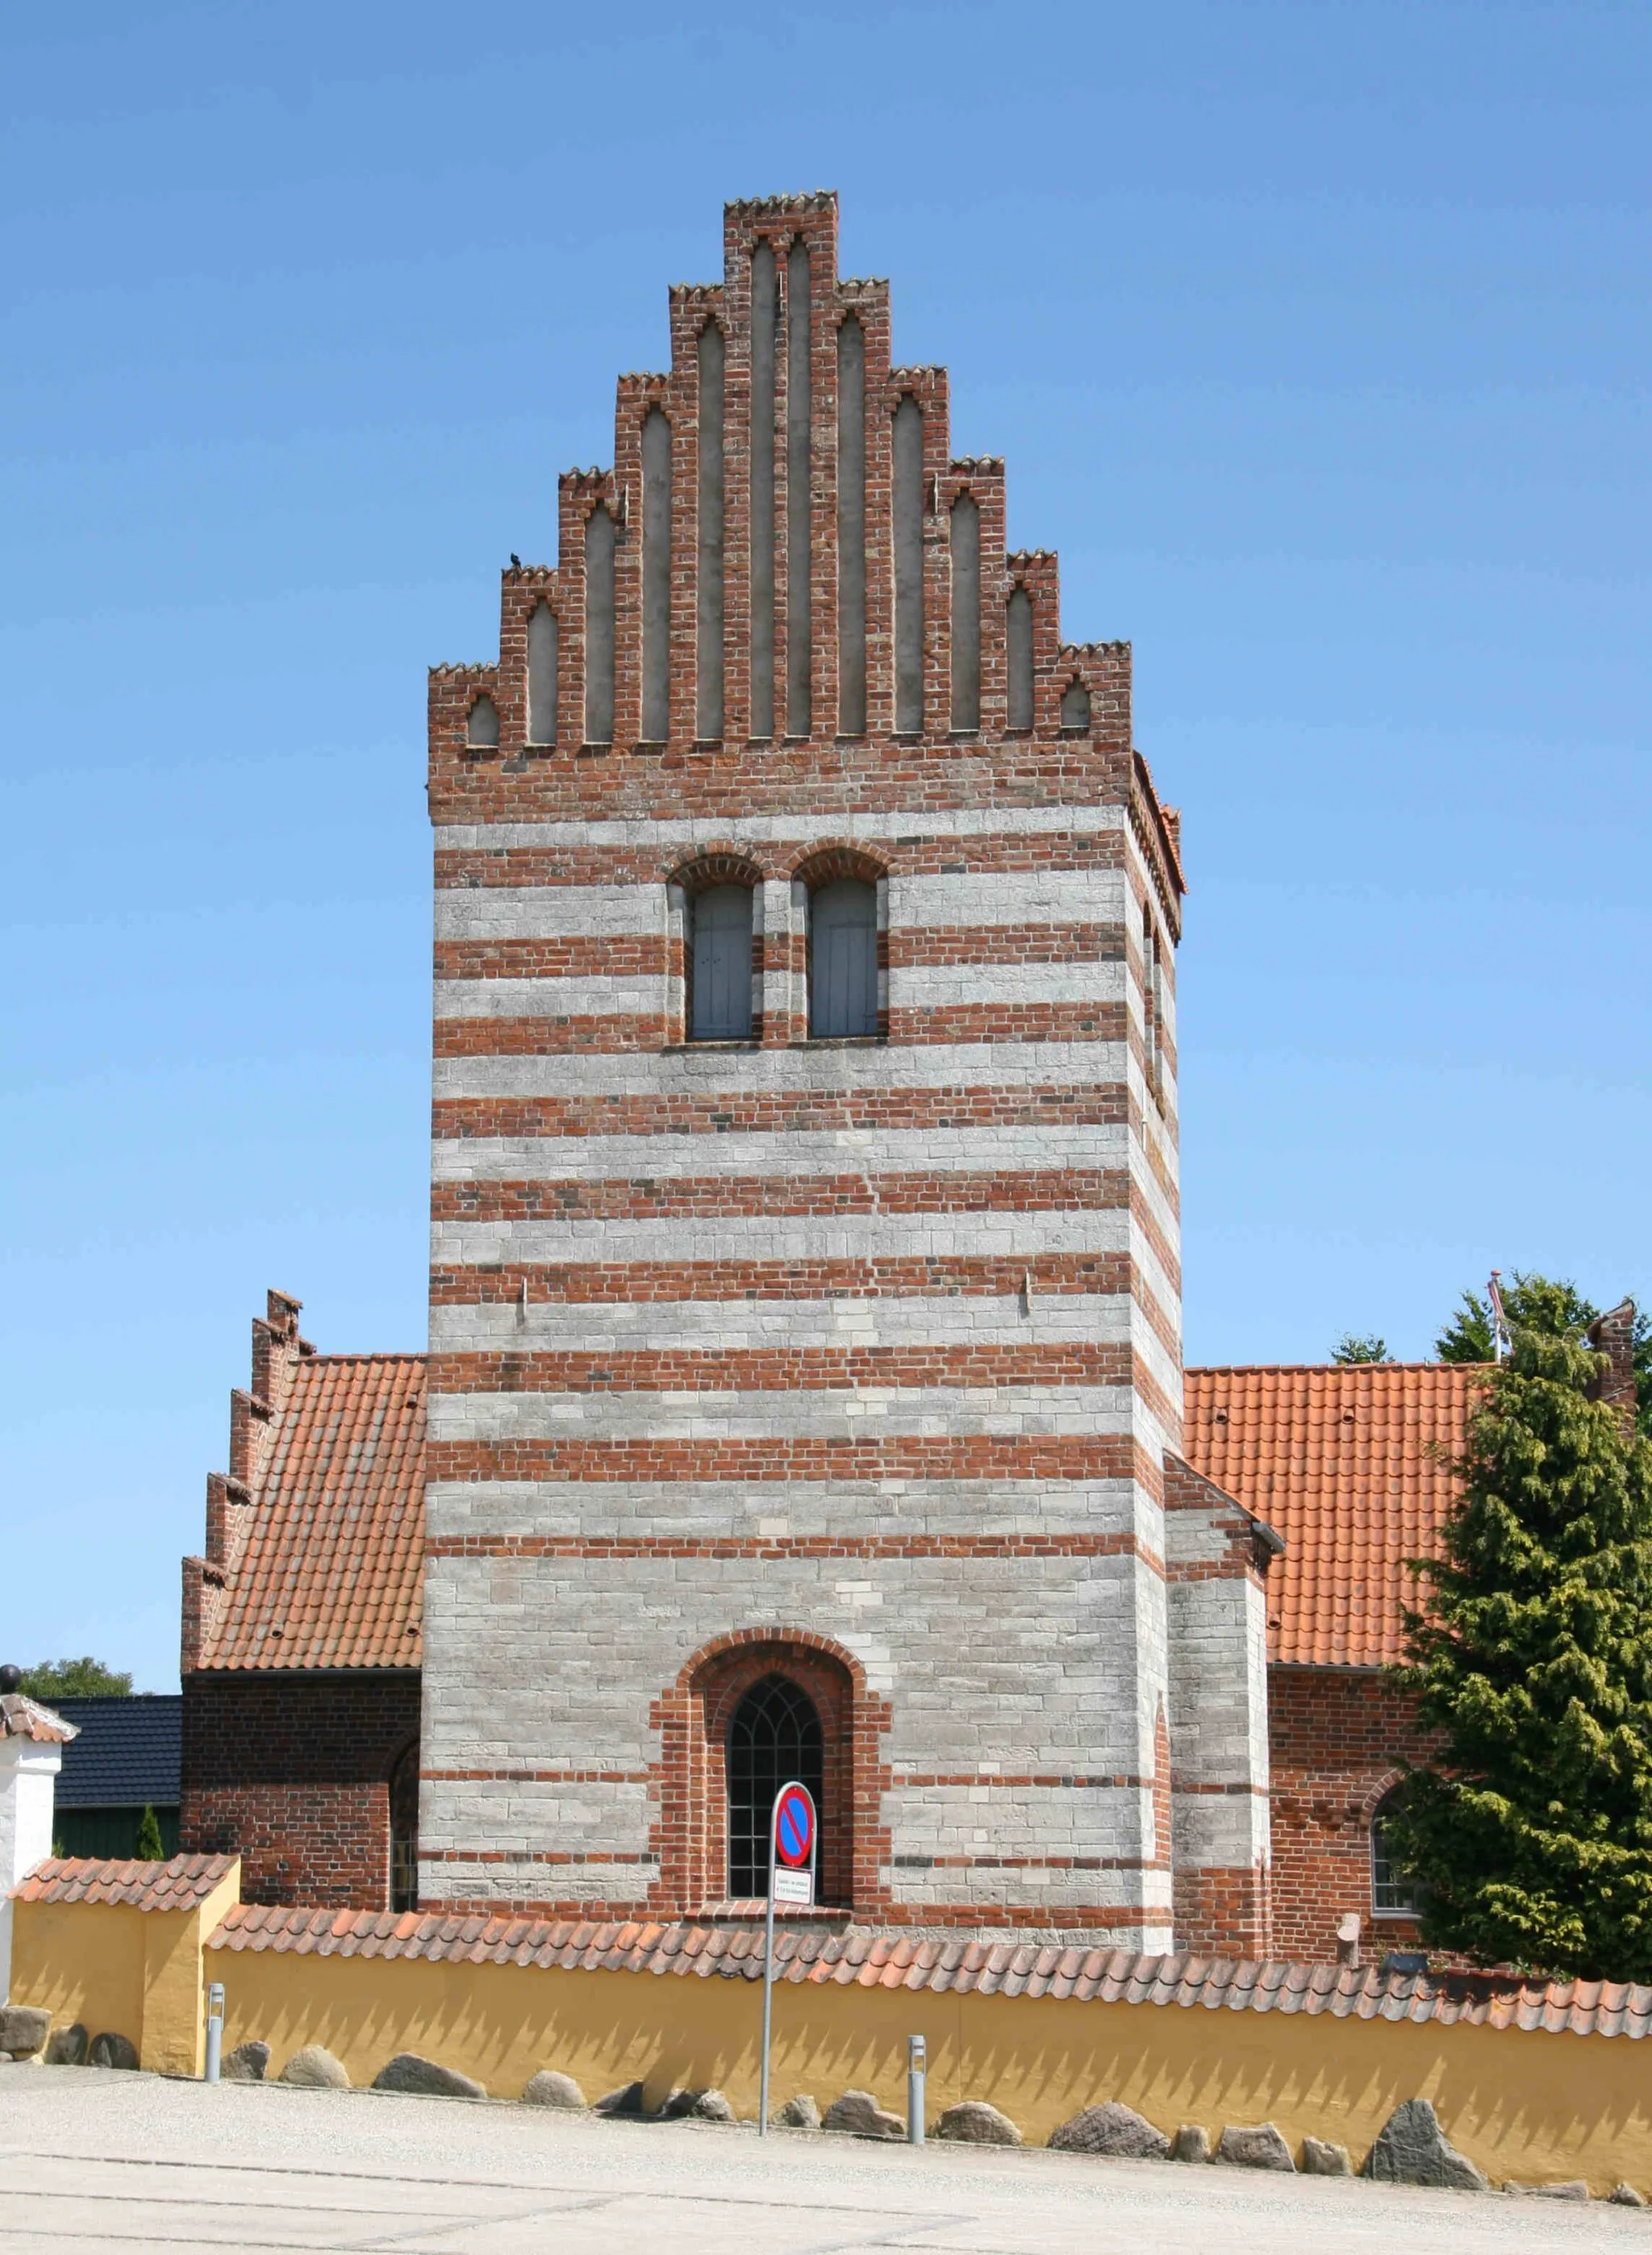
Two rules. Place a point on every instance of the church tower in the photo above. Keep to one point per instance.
(805, 1375)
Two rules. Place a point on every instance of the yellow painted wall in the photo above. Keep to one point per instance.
(118, 1971)
(1522, 2105)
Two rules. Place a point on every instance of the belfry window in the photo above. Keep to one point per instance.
(1393, 1889)
(774, 1736)
(720, 965)
(842, 958)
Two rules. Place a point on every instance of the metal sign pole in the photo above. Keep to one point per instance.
(768, 1973)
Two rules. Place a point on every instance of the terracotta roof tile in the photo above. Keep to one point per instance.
(179, 1885)
(815, 1956)
(23, 1717)
(1347, 1463)
(329, 1574)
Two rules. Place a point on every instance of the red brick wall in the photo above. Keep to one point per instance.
(293, 1773)
(1337, 1737)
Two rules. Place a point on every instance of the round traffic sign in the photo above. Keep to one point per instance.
(793, 1826)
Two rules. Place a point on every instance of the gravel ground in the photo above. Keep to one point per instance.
(97, 2161)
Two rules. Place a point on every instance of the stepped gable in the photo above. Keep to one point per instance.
(761, 573)
(1351, 1464)
(315, 1536)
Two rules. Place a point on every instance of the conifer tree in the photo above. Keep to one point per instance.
(149, 1849)
(1532, 1840)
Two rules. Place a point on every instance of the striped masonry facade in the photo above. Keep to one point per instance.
(853, 1359)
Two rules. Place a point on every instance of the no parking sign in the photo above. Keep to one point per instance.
(792, 1838)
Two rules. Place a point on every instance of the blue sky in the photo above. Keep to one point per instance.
(1316, 337)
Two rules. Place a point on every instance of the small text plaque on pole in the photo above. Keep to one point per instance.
(214, 2028)
(793, 1837)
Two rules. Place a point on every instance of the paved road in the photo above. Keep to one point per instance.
(93, 2160)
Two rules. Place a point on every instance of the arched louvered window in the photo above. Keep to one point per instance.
(774, 1736)
(842, 958)
(720, 965)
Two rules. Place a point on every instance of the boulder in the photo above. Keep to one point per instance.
(711, 2106)
(112, 2051)
(24, 2029)
(678, 2102)
(1411, 2148)
(858, 2113)
(1255, 2146)
(315, 2068)
(1570, 2189)
(799, 2113)
(975, 2123)
(1322, 2158)
(67, 2047)
(1191, 2143)
(424, 2078)
(1114, 2130)
(549, 2088)
(626, 2102)
(1625, 2196)
(248, 2062)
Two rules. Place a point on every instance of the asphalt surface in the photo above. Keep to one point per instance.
(96, 2161)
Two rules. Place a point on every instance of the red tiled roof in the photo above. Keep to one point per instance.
(178, 1885)
(23, 1717)
(1347, 1463)
(329, 1573)
(1005, 1968)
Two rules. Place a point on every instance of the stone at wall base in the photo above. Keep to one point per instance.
(1191, 2143)
(1570, 2189)
(711, 2106)
(1322, 2158)
(974, 2123)
(1255, 2146)
(425, 2078)
(858, 2113)
(626, 2103)
(1625, 2196)
(112, 2050)
(67, 2047)
(548, 2088)
(24, 2029)
(799, 2113)
(248, 2062)
(1411, 2148)
(315, 2068)
(1114, 2130)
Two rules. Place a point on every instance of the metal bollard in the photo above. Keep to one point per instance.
(214, 2029)
(916, 2062)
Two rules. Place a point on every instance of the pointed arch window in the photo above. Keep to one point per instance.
(1393, 1889)
(774, 1736)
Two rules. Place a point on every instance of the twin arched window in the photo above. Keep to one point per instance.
(843, 962)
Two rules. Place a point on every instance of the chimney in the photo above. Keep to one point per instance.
(1613, 1335)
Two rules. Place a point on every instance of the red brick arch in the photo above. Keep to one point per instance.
(693, 1716)
(821, 864)
(714, 864)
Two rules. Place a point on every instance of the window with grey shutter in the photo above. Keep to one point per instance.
(720, 991)
(842, 958)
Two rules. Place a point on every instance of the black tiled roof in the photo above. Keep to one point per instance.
(128, 1754)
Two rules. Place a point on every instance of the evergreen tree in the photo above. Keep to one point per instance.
(1533, 1840)
(73, 1679)
(1539, 1304)
(149, 1849)
(1357, 1346)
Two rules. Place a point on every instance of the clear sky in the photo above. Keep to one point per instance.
(1317, 339)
